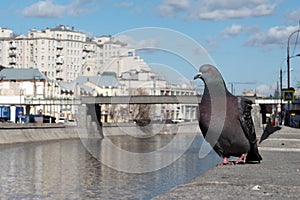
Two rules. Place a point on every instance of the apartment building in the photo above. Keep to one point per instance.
(63, 53)
(56, 52)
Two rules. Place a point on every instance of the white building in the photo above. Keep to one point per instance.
(63, 54)
(56, 52)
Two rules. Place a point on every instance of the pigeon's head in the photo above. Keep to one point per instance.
(209, 73)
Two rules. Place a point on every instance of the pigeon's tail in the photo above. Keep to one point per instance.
(268, 131)
(253, 155)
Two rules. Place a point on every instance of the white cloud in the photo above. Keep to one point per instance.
(45, 9)
(294, 16)
(149, 43)
(265, 90)
(276, 35)
(231, 9)
(234, 30)
(49, 9)
(217, 9)
(170, 7)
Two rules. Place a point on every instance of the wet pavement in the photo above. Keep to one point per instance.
(276, 177)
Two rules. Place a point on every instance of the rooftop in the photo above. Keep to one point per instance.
(106, 80)
(22, 74)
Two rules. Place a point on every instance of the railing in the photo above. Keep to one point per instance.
(64, 101)
(146, 99)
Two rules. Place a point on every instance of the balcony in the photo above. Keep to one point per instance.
(84, 54)
(12, 60)
(58, 45)
(12, 53)
(58, 69)
(88, 49)
(12, 45)
(59, 60)
(58, 52)
(59, 76)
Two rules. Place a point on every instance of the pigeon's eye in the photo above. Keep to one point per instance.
(208, 70)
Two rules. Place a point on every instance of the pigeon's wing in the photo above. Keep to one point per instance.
(247, 124)
(245, 118)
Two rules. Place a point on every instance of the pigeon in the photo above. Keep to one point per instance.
(268, 131)
(225, 120)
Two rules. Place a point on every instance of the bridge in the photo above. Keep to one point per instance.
(145, 99)
(90, 106)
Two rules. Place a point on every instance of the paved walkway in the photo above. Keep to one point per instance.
(276, 177)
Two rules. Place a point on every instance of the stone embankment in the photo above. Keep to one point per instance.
(21, 133)
(276, 177)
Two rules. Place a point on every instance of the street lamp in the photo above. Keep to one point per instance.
(288, 71)
(20, 111)
(288, 65)
(288, 57)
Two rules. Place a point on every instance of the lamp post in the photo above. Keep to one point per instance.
(51, 100)
(287, 71)
(288, 67)
(288, 57)
(20, 114)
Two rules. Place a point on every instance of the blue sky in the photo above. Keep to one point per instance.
(246, 39)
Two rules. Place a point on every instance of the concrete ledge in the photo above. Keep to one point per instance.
(12, 136)
(21, 133)
(30, 126)
(276, 177)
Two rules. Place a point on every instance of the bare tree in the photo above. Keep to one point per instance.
(141, 112)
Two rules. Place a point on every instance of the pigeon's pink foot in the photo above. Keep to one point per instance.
(242, 159)
(225, 162)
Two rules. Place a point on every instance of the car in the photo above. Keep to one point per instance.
(71, 122)
(62, 120)
(177, 120)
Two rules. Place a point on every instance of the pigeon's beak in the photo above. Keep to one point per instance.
(199, 75)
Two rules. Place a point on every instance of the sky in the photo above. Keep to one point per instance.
(246, 39)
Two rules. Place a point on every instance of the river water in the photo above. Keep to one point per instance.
(66, 170)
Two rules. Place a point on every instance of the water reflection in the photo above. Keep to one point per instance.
(65, 170)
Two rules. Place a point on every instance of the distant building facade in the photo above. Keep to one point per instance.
(63, 53)
(77, 64)
(17, 85)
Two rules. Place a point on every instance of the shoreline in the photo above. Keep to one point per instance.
(36, 134)
(30, 126)
(25, 133)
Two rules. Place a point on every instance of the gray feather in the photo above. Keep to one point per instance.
(238, 134)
